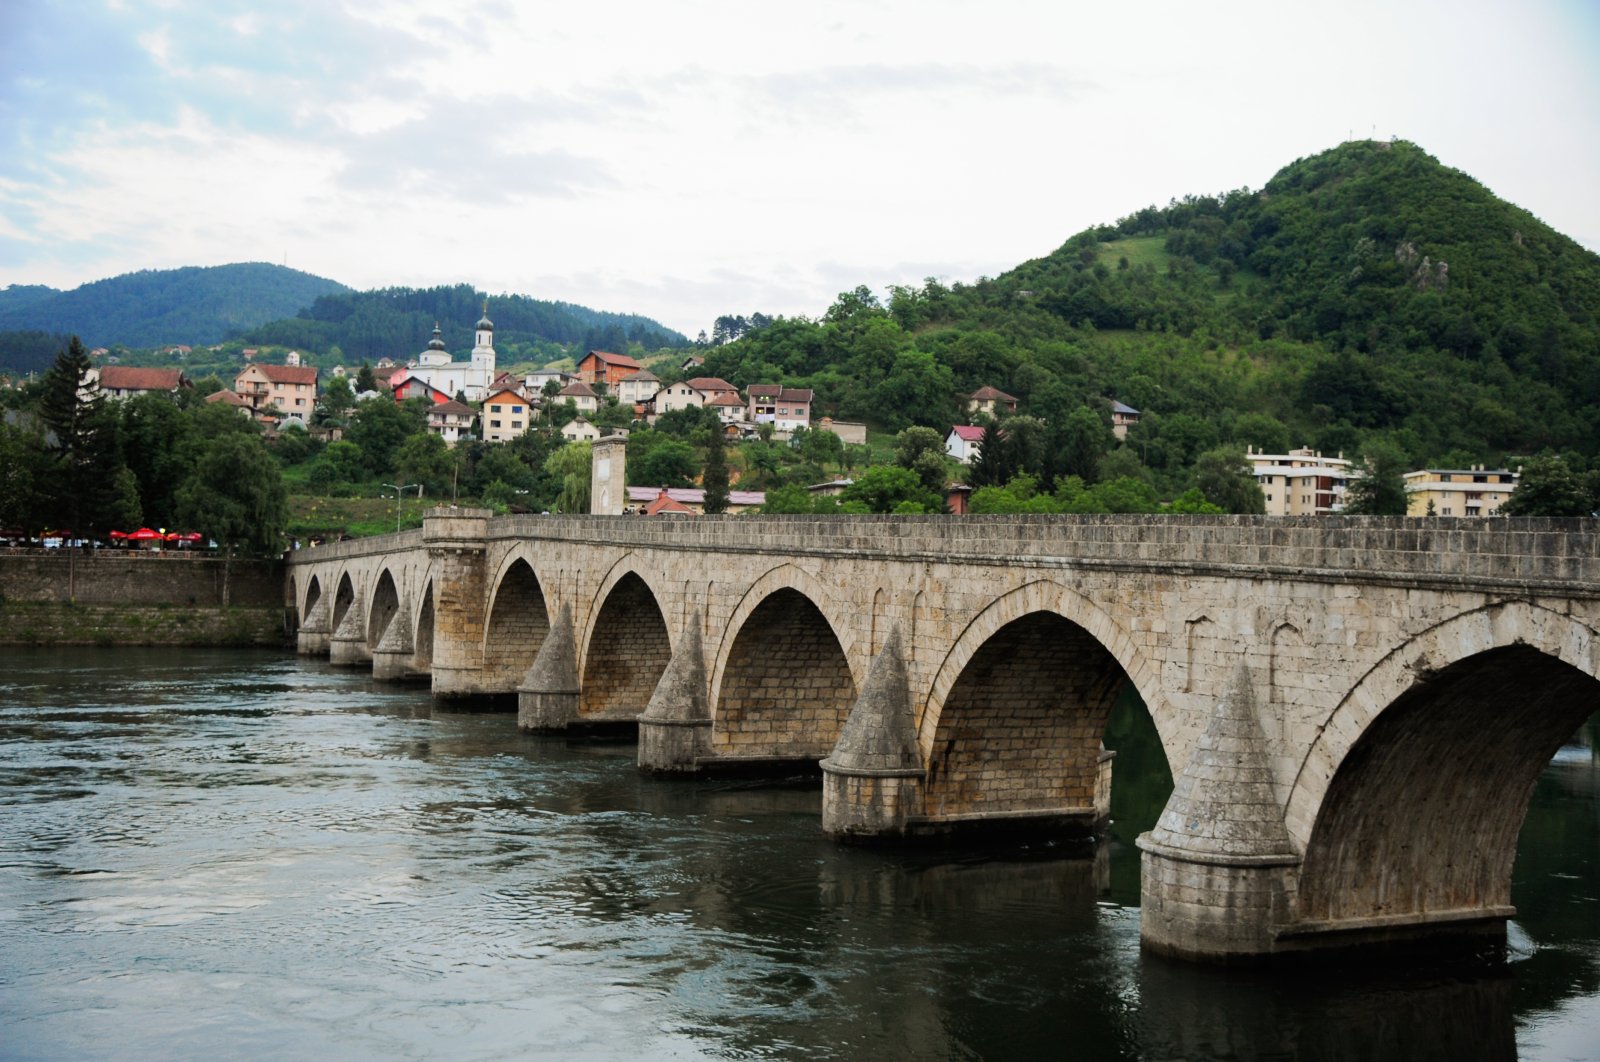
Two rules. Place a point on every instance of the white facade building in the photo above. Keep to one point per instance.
(474, 377)
(1301, 482)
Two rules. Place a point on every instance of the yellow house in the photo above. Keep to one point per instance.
(290, 390)
(1475, 491)
(507, 414)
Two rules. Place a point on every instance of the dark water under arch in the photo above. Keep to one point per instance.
(206, 852)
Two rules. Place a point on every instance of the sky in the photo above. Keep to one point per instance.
(695, 158)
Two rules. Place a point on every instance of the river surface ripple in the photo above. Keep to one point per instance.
(209, 853)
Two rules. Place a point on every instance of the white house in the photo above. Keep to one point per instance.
(964, 442)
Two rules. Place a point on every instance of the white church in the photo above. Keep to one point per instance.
(474, 378)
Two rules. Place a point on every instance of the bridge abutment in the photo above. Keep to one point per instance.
(392, 659)
(872, 780)
(348, 647)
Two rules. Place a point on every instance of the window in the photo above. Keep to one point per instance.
(516, 409)
(494, 424)
(516, 425)
(1444, 477)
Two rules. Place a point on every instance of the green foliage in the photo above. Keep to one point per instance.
(570, 465)
(883, 489)
(191, 305)
(235, 495)
(1549, 487)
(1380, 489)
(380, 427)
(1225, 480)
(656, 459)
(715, 479)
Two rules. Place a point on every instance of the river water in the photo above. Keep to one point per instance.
(248, 855)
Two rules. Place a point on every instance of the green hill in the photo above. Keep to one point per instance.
(397, 322)
(191, 306)
(1366, 291)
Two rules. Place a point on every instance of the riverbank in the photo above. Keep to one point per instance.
(173, 598)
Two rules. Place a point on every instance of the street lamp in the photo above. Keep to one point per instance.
(398, 491)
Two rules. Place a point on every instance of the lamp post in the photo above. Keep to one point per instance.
(399, 490)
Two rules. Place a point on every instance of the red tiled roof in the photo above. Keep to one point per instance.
(991, 394)
(665, 503)
(727, 398)
(452, 406)
(228, 397)
(300, 374)
(968, 432)
(576, 390)
(511, 390)
(779, 393)
(608, 358)
(710, 383)
(132, 378)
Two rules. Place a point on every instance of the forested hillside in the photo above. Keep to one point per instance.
(189, 306)
(398, 322)
(1367, 295)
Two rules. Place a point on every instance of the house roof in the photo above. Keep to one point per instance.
(968, 432)
(666, 503)
(608, 358)
(227, 397)
(711, 383)
(991, 394)
(576, 390)
(696, 495)
(727, 398)
(449, 408)
(1118, 407)
(300, 374)
(779, 393)
(508, 389)
(642, 376)
(132, 378)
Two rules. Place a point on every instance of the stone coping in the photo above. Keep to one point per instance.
(1215, 859)
(1521, 556)
(1395, 921)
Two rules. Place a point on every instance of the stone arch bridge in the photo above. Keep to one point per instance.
(1354, 711)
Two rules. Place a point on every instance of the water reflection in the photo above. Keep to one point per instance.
(301, 862)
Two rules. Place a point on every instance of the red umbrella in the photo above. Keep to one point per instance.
(192, 536)
(173, 536)
(118, 534)
(144, 534)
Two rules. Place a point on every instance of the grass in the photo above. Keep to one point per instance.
(314, 514)
(1139, 250)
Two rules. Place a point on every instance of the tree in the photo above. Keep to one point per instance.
(424, 459)
(882, 489)
(235, 495)
(1380, 488)
(1080, 439)
(991, 466)
(571, 465)
(656, 460)
(1225, 479)
(380, 427)
(336, 395)
(365, 381)
(1549, 487)
(715, 479)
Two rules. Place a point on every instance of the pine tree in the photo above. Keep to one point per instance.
(90, 492)
(715, 479)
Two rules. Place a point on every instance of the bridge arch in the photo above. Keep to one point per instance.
(343, 597)
(422, 639)
(1409, 804)
(627, 645)
(312, 599)
(1016, 713)
(783, 682)
(384, 605)
(519, 619)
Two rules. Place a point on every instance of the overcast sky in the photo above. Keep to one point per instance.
(691, 158)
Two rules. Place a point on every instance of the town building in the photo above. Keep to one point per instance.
(1475, 491)
(990, 400)
(451, 421)
(729, 407)
(126, 381)
(1301, 482)
(638, 387)
(507, 413)
(287, 390)
(1123, 417)
(231, 398)
(473, 378)
(404, 385)
(579, 430)
(581, 395)
(964, 442)
(785, 408)
(694, 498)
(602, 366)
(849, 432)
(536, 379)
(689, 394)
(666, 505)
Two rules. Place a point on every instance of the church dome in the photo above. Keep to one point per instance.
(437, 342)
(485, 323)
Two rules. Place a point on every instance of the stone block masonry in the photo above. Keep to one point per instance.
(1319, 685)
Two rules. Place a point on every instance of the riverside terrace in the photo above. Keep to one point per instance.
(1354, 710)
